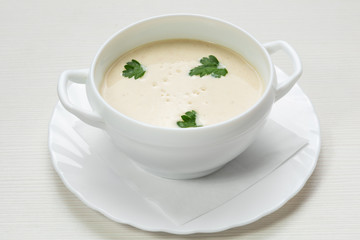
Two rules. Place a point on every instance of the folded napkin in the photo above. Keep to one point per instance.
(184, 200)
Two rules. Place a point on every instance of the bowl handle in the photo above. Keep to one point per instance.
(80, 77)
(284, 86)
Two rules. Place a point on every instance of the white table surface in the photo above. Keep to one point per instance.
(40, 39)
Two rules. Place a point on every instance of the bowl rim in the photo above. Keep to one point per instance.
(272, 77)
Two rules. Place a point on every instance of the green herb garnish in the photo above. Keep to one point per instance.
(209, 66)
(189, 120)
(133, 69)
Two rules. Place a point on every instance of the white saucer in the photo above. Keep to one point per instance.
(102, 190)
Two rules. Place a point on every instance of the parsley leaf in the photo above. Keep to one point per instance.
(209, 66)
(133, 69)
(189, 120)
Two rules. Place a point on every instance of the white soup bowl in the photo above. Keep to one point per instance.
(180, 153)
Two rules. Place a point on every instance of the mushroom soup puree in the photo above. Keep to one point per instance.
(166, 90)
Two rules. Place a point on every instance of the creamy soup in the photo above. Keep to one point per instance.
(166, 90)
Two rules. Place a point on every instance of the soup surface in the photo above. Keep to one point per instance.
(166, 91)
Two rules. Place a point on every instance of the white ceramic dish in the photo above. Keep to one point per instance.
(100, 189)
(190, 151)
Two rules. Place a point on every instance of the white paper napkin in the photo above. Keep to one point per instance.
(184, 200)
